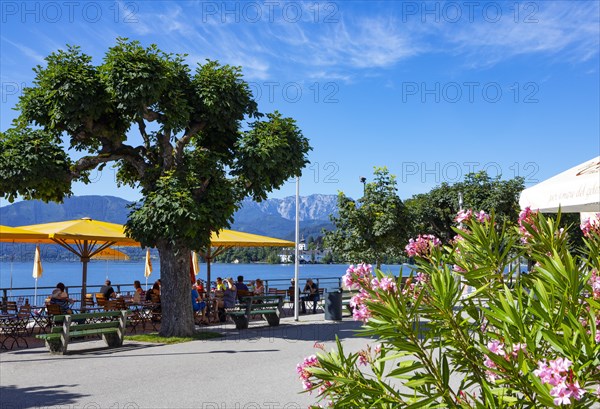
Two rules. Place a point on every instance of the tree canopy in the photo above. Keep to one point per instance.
(373, 227)
(193, 141)
(434, 212)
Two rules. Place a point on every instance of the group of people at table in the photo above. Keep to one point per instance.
(210, 308)
(226, 293)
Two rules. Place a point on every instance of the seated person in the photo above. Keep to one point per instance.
(137, 293)
(61, 298)
(240, 284)
(226, 299)
(200, 287)
(312, 294)
(198, 305)
(108, 291)
(260, 288)
(229, 295)
(153, 294)
(220, 285)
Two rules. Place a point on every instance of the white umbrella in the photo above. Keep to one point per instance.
(195, 263)
(576, 190)
(37, 269)
(147, 267)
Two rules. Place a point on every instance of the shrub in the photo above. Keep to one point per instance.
(517, 340)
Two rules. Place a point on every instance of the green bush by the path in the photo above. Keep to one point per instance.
(517, 340)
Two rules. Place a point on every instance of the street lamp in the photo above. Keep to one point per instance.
(363, 180)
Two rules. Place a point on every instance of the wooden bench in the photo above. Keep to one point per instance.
(110, 324)
(269, 306)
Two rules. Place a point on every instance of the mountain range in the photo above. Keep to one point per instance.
(271, 217)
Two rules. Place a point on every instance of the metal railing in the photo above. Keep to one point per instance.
(24, 295)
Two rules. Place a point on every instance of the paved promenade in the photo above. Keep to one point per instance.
(253, 368)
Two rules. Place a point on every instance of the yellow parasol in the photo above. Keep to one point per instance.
(224, 239)
(15, 235)
(84, 237)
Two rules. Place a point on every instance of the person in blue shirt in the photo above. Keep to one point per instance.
(198, 305)
(240, 284)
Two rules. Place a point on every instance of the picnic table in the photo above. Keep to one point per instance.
(269, 306)
(109, 324)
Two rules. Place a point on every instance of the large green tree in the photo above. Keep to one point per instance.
(194, 143)
(434, 212)
(373, 227)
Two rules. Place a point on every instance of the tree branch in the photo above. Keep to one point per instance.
(109, 153)
(142, 127)
(185, 139)
(150, 115)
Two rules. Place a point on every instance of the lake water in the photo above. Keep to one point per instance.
(125, 272)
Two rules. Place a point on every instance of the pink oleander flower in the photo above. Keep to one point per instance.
(518, 347)
(463, 215)
(363, 358)
(361, 313)
(421, 278)
(561, 394)
(324, 386)
(591, 225)
(358, 299)
(386, 284)
(458, 269)
(526, 218)
(558, 373)
(597, 338)
(598, 391)
(496, 347)
(422, 245)
(303, 372)
(357, 277)
(377, 349)
(560, 365)
(482, 217)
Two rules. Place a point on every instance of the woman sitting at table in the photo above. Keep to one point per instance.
(260, 288)
(153, 294)
(61, 298)
(138, 292)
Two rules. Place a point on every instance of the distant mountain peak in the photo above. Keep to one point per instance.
(271, 217)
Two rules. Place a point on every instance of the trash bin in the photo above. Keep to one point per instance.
(333, 305)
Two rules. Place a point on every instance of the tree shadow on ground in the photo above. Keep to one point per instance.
(316, 331)
(13, 397)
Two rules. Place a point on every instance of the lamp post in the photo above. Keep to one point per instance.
(363, 180)
(296, 254)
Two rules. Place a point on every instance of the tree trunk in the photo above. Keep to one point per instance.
(175, 293)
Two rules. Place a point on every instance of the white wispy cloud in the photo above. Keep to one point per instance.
(24, 50)
(569, 29)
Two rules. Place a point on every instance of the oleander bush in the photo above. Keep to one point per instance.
(468, 330)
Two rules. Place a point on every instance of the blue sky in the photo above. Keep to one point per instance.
(431, 90)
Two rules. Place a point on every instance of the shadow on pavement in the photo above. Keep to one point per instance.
(13, 397)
